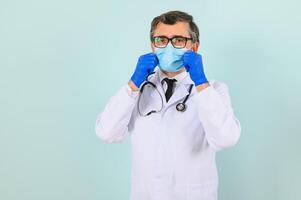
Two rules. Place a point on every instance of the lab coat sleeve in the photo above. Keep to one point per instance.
(112, 123)
(222, 128)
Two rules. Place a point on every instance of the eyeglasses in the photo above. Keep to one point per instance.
(178, 42)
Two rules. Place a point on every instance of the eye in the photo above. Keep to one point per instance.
(160, 39)
(179, 39)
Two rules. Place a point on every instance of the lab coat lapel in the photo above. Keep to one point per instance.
(181, 91)
(178, 94)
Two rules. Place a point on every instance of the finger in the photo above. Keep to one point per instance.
(151, 62)
(187, 67)
(187, 59)
(147, 56)
(188, 52)
(151, 55)
(150, 69)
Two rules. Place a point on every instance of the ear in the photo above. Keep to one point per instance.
(195, 47)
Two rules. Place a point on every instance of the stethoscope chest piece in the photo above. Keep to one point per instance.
(181, 107)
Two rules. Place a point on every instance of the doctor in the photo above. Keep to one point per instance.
(177, 122)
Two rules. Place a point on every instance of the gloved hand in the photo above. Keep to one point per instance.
(194, 65)
(145, 65)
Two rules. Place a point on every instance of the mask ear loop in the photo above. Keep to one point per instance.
(141, 91)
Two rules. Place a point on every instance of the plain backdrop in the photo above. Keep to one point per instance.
(62, 60)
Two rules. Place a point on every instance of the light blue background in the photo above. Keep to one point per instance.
(62, 60)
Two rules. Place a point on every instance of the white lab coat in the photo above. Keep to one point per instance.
(173, 153)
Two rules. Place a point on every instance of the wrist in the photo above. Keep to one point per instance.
(202, 86)
(132, 85)
(200, 80)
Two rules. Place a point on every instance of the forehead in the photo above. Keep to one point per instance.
(179, 28)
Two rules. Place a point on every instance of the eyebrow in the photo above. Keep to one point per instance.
(172, 36)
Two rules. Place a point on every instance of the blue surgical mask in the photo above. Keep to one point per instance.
(170, 58)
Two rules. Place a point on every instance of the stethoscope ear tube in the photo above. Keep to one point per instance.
(147, 82)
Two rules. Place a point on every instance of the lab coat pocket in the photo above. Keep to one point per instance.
(203, 191)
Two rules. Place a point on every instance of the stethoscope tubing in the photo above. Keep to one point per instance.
(181, 107)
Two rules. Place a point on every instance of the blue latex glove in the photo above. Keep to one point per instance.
(194, 65)
(145, 65)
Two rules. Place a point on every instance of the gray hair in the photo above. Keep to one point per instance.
(173, 17)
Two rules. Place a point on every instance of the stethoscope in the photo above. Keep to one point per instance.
(181, 107)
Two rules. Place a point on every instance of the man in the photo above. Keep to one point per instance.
(177, 123)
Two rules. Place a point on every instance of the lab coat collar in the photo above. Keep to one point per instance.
(179, 77)
(182, 78)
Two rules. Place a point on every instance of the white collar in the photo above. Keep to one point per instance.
(179, 77)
